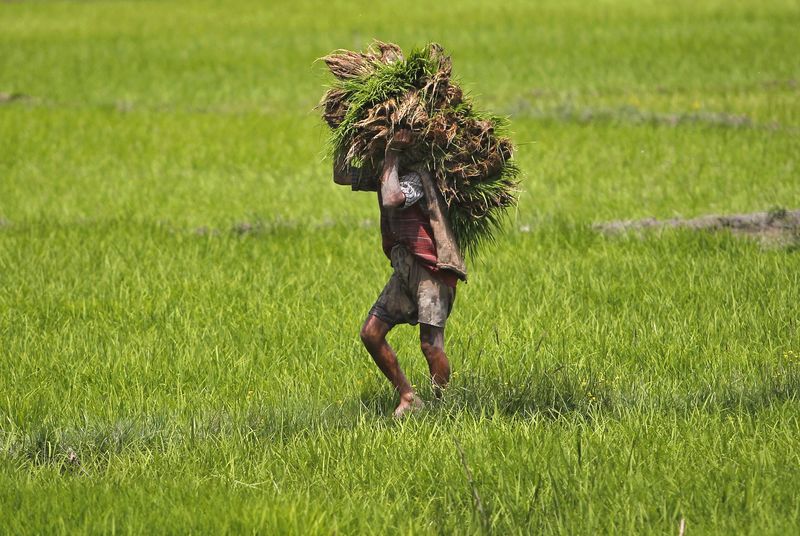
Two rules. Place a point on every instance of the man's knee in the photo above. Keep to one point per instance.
(366, 335)
(370, 334)
(428, 348)
(432, 351)
(431, 340)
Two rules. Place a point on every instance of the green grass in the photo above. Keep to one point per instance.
(211, 380)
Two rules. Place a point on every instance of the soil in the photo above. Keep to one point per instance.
(10, 97)
(778, 226)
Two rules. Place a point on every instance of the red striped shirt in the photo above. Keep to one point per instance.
(411, 228)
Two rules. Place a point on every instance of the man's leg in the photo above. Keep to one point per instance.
(373, 335)
(431, 340)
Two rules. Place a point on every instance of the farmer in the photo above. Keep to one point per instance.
(418, 241)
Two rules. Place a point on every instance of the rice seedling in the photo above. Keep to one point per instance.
(467, 151)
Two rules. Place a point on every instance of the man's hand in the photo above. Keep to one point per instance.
(402, 139)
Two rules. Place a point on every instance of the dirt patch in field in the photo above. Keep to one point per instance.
(628, 114)
(778, 227)
(11, 97)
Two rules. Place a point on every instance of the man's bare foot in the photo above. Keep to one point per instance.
(438, 390)
(408, 404)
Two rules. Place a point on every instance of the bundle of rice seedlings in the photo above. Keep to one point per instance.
(378, 92)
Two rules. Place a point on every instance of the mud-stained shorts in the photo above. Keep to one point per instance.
(413, 294)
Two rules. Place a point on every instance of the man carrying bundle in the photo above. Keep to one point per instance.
(421, 289)
(444, 175)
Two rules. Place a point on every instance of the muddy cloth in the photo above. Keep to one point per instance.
(410, 227)
(448, 254)
(413, 295)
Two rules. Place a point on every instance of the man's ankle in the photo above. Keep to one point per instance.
(408, 396)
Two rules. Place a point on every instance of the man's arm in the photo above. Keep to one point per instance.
(363, 178)
(391, 194)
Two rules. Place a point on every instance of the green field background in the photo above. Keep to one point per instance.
(182, 284)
